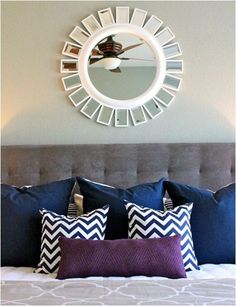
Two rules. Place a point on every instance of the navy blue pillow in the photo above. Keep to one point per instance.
(21, 220)
(97, 195)
(212, 220)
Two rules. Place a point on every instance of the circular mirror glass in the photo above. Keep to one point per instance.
(122, 66)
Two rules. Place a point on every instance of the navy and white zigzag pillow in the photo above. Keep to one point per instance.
(148, 223)
(88, 226)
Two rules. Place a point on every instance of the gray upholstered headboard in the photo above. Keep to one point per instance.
(204, 165)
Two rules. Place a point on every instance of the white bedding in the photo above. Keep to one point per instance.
(207, 271)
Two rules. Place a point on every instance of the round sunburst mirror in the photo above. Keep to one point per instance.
(121, 70)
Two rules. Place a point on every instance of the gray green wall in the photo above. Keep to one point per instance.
(36, 110)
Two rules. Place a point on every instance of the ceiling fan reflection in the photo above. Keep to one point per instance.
(108, 54)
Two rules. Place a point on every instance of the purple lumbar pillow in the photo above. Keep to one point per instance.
(121, 257)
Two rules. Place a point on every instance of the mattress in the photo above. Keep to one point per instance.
(212, 285)
(206, 271)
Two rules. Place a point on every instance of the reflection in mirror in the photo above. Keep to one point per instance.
(71, 49)
(91, 24)
(90, 108)
(164, 36)
(174, 66)
(78, 96)
(164, 96)
(105, 115)
(71, 81)
(138, 115)
(69, 65)
(172, 50)
(153, 24)
(138, 17)
(152, 108)
(122, 66)
(79, 35)
(121, 118)
(172, 82)
(106, 17)
(122, 14)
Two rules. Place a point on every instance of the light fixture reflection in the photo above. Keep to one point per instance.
(110, 63)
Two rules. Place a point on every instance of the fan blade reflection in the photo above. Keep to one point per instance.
(94, 60)
(137, 59)
(115, 70)
(129, 48)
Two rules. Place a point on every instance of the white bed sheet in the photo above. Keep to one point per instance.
(207, 271)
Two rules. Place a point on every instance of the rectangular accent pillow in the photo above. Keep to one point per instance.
(97, 195)
(148, 223)
(21, 220)
(122, 257)
(90, 226)
(212, 220)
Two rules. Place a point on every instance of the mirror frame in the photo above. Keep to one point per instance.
(149, 32)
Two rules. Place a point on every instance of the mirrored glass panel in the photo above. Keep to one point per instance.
(174, 66)
(122, 66)
(164, 96)
(138, 17)
(172, 82)
(90, 108)
(122, 14)
(153, 24)
(69, 65)
(152, 108)
(164, 36)
(78, 96)
(138, 115)
(105, 115)
(91, 24)
(121, 118)
(172, 50)
(71, 81)
(79, 35)
(106, 17)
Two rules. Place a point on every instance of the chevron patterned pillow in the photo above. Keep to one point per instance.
(148, 223)
(89, 226)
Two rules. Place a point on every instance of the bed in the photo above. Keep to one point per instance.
(124, 165)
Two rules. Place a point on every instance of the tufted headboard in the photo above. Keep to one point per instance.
(200, 164)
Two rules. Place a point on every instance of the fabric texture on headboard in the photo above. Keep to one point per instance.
(207, 165)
